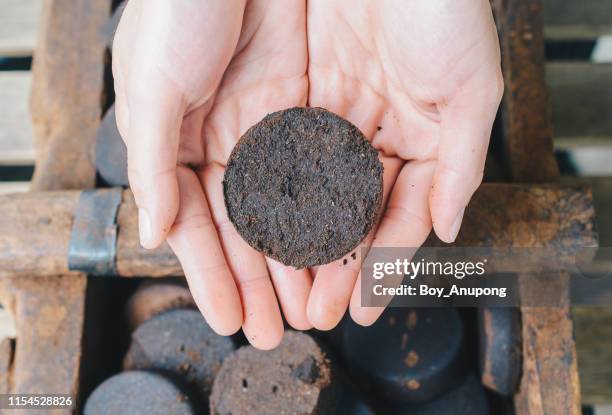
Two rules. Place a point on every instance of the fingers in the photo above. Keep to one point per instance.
(466, 124)
(292, 288)
(150, 125)
(332, 288)
(167, 60)
(406, 223)
(152, 145)
(149, 118)
(193, 238)
(263, 325)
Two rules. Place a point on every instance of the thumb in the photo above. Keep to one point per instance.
(466, 124)
(153, 138)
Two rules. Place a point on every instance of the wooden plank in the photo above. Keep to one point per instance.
(67, 87)
(526, 126)
(571, 19)
(66, 104)
(601, 188)
(16, 138)
(19, 21)
(37, 226)
(49, 314)
(550, 383)
(581, 96)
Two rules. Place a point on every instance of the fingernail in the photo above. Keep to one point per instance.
(144, 227)
(454, 230)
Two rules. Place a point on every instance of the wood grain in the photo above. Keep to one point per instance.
(36, 227)
(66, 95)
(67, 90)
(601, 188)
(49, 318)
(550, 383)
(527, 131)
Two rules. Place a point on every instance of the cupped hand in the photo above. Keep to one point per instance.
(190, 77)
(422, 80)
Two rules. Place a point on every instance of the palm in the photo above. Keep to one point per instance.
(406, 73)
(218, 69)
(420, 78)
(267, 73)
(368, 62)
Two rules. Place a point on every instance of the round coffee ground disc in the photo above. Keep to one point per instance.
(138, 392)
(303, 186)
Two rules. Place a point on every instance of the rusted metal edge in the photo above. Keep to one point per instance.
(93, 240)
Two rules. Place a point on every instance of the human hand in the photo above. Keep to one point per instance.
(190, 78)
(428, 74)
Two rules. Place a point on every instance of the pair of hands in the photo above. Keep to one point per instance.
(192, 76)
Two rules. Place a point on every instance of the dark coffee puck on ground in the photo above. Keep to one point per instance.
(500, 348)
(409, 354)
(303, 186)
(469, 398)
(179, 342)
(111, 152)
(154, 298)
(295, 378)
(138, 392)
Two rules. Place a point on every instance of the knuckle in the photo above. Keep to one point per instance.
(405, 216)
(329, 314)
(224, 227)
(251, 283)
(193, 222)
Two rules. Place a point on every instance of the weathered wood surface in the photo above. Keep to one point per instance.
(601, 188)
(36, 227)
(500, 354)
(527, 131)
(581, 97)
(16, 138)
(571, 19)
(67, 91)
(49, 317)
(550, 383)
(19, 21)
(66, 104)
